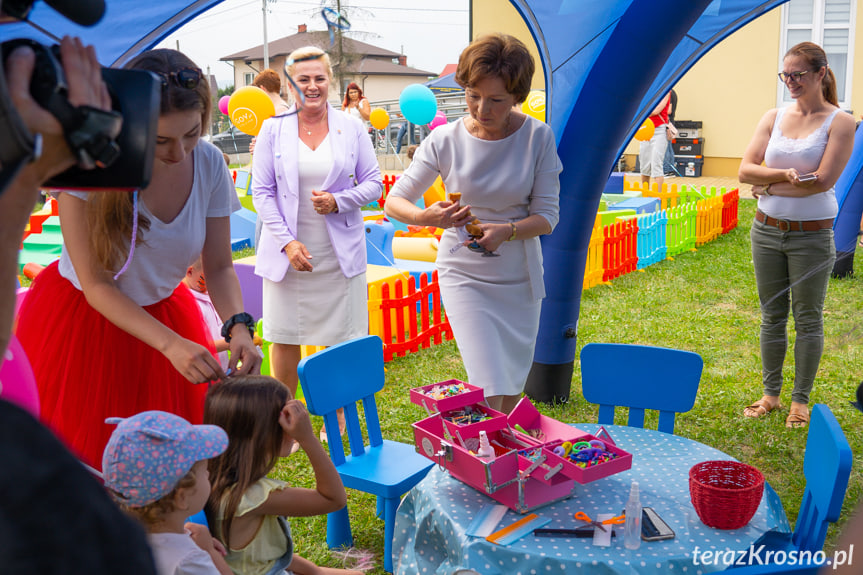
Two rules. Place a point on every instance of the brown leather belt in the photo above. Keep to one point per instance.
(794, 225)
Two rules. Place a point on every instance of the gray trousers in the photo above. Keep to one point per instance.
(792, 270)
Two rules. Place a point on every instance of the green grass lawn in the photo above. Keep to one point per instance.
(704, 301)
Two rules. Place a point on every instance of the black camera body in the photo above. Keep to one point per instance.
(121, 143)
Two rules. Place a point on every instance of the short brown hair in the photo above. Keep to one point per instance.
(497, 56)
(269, 81)
(154, 512)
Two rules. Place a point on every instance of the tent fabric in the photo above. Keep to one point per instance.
(444, 84)
(128, 27)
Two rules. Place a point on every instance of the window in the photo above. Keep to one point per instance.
(828, 23)
(249, 78)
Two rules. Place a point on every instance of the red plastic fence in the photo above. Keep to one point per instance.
(619, 254)
(389, 182)
(412, 330)
(729, 210)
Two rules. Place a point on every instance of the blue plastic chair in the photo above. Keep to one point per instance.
(640, 377)
(827, 467)
(340, 376)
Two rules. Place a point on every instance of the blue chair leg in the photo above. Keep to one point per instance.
(379, 512)
(339, 529)
(390, 507)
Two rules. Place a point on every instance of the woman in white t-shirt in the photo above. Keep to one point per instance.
(110, 330)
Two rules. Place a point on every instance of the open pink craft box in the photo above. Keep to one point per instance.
(512, 478)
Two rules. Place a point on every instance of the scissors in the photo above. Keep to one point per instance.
(619, 520)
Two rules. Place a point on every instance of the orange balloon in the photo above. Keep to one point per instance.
(645, 132)
(379, 118)
(248, 108)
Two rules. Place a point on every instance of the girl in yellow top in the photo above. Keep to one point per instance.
(247, 509)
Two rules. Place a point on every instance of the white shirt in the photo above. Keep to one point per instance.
(177, 554)
(160, 262)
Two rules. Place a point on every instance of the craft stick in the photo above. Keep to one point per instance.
(460, 440)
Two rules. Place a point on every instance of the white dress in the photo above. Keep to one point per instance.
(321, 307)
(493, 303)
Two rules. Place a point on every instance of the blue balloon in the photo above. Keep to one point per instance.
(418, 104)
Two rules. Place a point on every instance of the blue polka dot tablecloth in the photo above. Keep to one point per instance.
(429, 536)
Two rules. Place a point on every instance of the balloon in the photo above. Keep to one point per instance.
(534, 105)
(223, 104)
(17, 383)
(645, 132)
(438, 120)
(379, 118)
(248, 108)
(418, 104)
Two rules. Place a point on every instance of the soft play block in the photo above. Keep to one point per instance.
(614, 184)
(446, 395)
(243, 225)
(640, 205)
(612, 199)
(609, 217)
(251, 285)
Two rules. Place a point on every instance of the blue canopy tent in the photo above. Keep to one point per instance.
(606, 64)
(444, 84)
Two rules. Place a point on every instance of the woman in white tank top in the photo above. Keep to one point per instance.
(804, 149)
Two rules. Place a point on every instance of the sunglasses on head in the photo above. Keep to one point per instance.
(187, 78)
(301, 99)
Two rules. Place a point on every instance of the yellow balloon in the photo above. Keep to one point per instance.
(379, 118)
(248, 108)
(645, 132)
(535, 105)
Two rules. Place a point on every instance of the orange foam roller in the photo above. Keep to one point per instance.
(32, 269)
(415, 248)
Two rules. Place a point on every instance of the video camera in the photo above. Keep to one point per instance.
(121, 142)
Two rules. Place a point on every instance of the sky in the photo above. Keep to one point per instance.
(431, 33)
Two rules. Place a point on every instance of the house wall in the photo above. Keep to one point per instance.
(729, 89)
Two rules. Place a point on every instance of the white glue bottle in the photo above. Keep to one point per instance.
(485, 451)
(632, 528)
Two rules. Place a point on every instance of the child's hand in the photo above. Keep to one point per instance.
(295, 420)
(202, 538)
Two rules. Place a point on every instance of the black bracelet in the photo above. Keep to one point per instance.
(234, 320)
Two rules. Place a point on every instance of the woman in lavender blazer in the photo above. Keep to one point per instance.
(312, 173)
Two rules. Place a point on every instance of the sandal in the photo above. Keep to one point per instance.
(797, 417)
(761, 408)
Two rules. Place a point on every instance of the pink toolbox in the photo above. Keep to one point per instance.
(528, 470)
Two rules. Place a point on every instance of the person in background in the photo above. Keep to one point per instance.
(312, 173)
(651, 153)
(793, 160)
(247, 509)
(155, 467)
(505, 167)
(356, 104)
(197, 284)
(668, 165)
(126, 336)
(54, 515)
(268, 80)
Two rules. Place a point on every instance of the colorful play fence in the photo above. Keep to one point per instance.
(688, 217)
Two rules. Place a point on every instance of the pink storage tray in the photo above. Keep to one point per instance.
(472, 394)
(496, 422)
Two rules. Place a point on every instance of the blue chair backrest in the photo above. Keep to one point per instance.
(340, 376)
(379, 243)
(827, 467)
(640, 377)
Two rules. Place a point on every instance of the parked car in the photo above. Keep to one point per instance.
(233, 141)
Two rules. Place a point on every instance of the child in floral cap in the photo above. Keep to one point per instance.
(155, 466)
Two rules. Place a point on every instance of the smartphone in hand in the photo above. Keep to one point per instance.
(807, 177)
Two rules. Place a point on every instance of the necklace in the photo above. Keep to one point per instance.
(506, 129)
(315, 125)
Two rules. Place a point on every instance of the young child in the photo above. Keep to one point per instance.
(155, 466)
(247, 509)
(197, 284)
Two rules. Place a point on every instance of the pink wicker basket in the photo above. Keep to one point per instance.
(725, 494)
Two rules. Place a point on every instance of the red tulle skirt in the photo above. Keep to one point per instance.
(88, 369)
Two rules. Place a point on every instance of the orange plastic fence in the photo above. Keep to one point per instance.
(593, 267)
(619, 249)
(403, 329)
(708, 224)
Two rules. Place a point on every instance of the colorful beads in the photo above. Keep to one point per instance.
(466, 415)
(439, 392)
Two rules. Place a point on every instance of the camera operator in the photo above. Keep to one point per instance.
(52, 511)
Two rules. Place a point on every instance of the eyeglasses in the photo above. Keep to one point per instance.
(187, 78)
(300, 97)
(783, 77)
